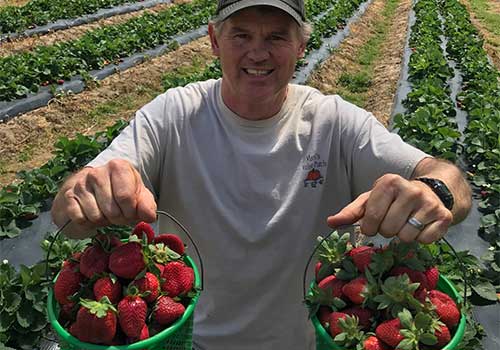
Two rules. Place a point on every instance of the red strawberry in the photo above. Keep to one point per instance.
(317, 267)
(432, 275)
(388, 332)
(143, 228)
(334, 323)
(179, 278)
(73, 262)
(364, 315)
(414, 275)
(323, 315)
(374, 343)
(334, 284)
(355, 288)
(172, 241)
(108, 241)
(67, 313)
(148, 284)
(443, 336)
(127, 260)
(95, 322)
(167, 310)
(67, 284)
(132, 311)
(446, 308)
(94, 260)
(109, 287)
(362, 256)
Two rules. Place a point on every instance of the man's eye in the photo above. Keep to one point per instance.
(241, 36)
(277, 37)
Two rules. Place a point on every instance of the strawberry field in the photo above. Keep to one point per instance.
(72, 73)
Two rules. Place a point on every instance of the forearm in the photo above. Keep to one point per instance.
(454, 179)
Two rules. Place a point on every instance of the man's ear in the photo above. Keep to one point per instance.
(301, 51)
(213, 40)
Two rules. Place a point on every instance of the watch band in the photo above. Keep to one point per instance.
(440, 189)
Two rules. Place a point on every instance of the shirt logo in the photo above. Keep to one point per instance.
(313, 166)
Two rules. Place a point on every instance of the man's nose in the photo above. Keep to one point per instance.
(259, 50)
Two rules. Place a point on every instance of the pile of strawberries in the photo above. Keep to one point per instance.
(380, 298)
(118, 292)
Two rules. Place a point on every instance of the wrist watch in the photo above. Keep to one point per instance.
(440, 189)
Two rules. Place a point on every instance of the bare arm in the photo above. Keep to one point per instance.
(387, 207)
(94, 197)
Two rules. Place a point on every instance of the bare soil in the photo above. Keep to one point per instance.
(29, 43)
(387, 67)
(13, 2)
(26, 141)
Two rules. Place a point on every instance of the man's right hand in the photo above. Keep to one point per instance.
(94, 197)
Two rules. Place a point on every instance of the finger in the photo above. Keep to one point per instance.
(351, 213)
(76, 224)
(125, 182)
(409, 232)
(395, 220)
(146, 206)
(377, 205)
(84, 195)
(433, 231)
(101, 185)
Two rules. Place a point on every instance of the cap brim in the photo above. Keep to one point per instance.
(240, 5)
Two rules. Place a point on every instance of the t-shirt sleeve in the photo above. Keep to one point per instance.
(139, 143)
(371, 150)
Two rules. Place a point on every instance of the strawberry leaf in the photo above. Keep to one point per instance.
(428, 339)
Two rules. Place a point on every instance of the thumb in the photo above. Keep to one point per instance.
(350, 213)
(146, 205)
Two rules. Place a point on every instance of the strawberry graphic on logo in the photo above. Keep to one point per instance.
(313, 178)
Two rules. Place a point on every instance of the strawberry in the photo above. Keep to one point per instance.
(364, 315)
(172, 241)
(443, 336)
(361, 256)
(148, 286)
(67, 313)
(167, 310)
(143, 228)
(107, 241)
(374, 343)
(73, 262)
(389, 332)
(109, 287)
(432, 275)
(132, 311)
(317, 267)
(127, 260)
(67, 284)
(323, 315)
(94, 260)
(446, 308)
(355, 289)
(179, 278)
(414, 275)
(95, 322)
(334, 284)
(335, 328)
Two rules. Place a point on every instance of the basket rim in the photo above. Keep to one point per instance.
(66, 336)
(443, 283)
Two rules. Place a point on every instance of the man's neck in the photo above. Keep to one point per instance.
(252, 109)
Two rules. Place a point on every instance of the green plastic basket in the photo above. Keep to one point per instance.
(324, 340)
(179, 336)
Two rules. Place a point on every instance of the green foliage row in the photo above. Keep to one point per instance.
(428, 122)
(25, 72)
(480, 97)
(40, 12)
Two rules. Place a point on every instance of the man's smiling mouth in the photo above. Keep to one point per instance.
(258, 72)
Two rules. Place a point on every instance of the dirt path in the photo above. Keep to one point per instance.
(26, 141)
(13, 2)
(491, 39)
(385, 69)
(25, 44)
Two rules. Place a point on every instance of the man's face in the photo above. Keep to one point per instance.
(258, 48)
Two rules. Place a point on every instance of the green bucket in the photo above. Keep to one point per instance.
(179, 336)
(324, 340)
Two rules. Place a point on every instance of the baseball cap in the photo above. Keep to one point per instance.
(294, 8)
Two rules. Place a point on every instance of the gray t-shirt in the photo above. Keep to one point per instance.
(255, 195)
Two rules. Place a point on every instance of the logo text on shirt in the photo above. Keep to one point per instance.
(312, 166)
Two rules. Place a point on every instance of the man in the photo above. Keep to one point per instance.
(253, 165)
